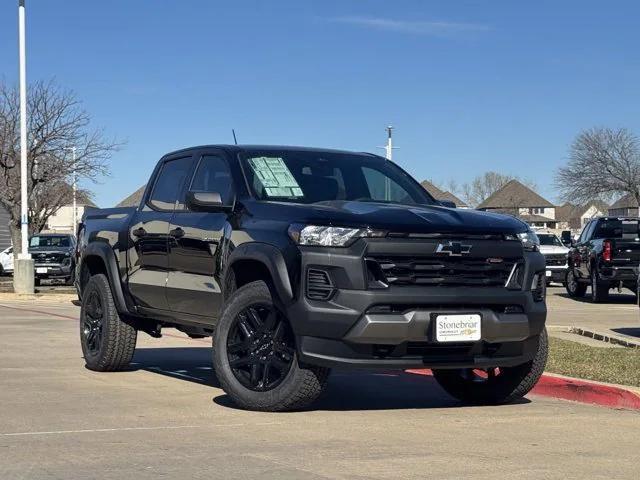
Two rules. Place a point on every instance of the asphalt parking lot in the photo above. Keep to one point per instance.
(167, 418)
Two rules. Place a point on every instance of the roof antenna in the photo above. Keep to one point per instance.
(234, 136)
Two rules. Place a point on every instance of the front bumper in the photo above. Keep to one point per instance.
(52, 270)
(557, 273)
(394, 327)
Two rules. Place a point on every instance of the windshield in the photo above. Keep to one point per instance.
(548, 239)
(50, 241)
(313, 177)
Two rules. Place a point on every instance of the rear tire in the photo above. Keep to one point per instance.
(255, 336)
(573, 286)
(599, 288)
(504, 385)
(108, 343)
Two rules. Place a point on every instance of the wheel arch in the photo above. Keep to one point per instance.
(253, 261)
(99, 258)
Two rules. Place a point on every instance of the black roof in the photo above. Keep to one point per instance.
(258, 148)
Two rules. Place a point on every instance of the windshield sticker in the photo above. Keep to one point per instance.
(275, 177)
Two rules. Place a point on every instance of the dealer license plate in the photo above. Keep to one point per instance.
(41, 270)
(458, 328)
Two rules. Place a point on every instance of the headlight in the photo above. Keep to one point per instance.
(323, 236)
(530, 240)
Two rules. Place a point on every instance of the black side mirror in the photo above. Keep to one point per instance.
(447, 203)
(206, 202)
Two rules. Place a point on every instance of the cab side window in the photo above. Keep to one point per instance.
(586, 233)
(169, 183)
(213, 175)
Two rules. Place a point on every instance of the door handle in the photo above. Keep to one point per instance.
(177, 233)
(139, 232)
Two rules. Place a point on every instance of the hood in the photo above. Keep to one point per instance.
(552, 249)
(390, 217)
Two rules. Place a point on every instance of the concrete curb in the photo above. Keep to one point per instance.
(582, 391)
(606, 337)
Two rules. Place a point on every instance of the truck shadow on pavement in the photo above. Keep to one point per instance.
(347, 390)
(614, 299)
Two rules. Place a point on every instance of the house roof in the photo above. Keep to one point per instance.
(438, 194)
(514, 195)
(626, 201)
(134, 199)
(570, 212)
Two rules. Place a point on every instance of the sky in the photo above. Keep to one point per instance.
(469, 86)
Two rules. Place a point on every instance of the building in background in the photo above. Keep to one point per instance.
(62, 220)
(574, 217)
(438, 194)
(134, 199)
(625, 206)
(516, 199)
(5, 233)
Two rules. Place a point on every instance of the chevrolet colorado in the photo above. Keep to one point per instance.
(299, 260)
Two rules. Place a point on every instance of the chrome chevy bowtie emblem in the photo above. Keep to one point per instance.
(453, 249)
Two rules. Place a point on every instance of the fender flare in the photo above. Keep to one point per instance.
(272, 258)
(104, 251)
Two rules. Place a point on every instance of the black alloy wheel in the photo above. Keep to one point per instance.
(92, 323)
(260, 347)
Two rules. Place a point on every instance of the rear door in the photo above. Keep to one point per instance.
(197, 243)
(585, 244)
(149, 234)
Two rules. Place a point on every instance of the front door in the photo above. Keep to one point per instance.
(149, 235)
(197, 244)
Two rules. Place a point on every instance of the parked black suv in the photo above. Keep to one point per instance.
(300, 260)
(53, 255)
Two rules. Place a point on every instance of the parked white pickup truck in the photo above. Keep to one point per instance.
(555, 255)
(6, 261)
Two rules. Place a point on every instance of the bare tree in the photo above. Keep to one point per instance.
(483, 186)
(57, 121)
(602, 163)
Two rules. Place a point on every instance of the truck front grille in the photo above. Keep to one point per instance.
(556, 260)
(444, 271)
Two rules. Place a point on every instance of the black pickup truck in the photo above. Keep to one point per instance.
(606, 255)
(297, 261)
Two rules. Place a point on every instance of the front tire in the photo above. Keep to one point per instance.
(108, 343)
(573, 286)
(494, 386)
(254, 355)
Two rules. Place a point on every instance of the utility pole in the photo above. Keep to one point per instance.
(23, 281)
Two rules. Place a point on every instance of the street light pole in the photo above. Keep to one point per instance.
(24, 208)
(75, 189)
(23, 273)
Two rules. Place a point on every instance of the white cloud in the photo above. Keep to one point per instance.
(435, 29)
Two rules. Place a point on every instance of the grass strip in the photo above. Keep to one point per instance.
(611, 365)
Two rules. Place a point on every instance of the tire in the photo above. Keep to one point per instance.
(289, 387)
(505, 385)
(108, 343)
(599, 288)
(573, 286)
(70, 279)
(36, 282)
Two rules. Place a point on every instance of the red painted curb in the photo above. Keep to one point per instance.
(578, 391)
